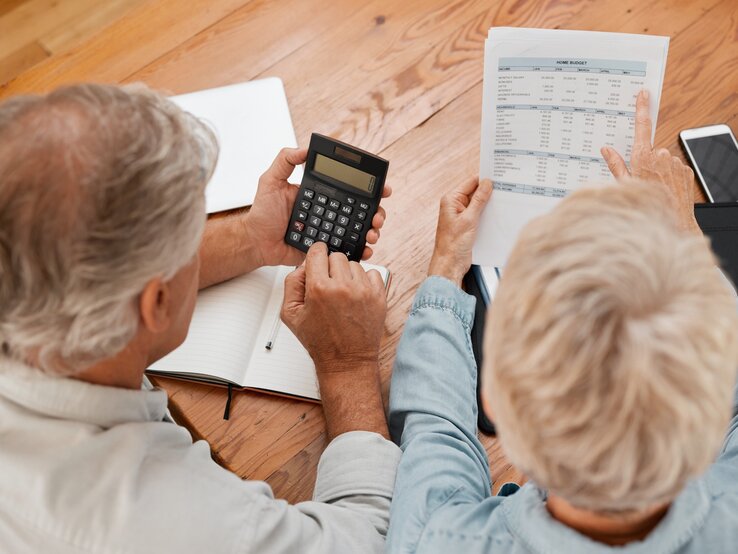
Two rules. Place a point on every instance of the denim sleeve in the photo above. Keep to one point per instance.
(433, 413)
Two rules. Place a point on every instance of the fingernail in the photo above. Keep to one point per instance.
(645, 94)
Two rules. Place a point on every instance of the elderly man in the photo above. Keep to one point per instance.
(610, 356)
(101, 217)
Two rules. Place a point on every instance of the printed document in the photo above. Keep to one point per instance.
(551, 100)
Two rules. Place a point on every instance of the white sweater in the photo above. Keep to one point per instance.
(88, 468)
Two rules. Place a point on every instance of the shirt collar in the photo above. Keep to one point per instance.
(66, 398)
(532, 524)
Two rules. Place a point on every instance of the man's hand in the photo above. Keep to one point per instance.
(458, 221)
(269, 216)
(337, 311)
(656, 166)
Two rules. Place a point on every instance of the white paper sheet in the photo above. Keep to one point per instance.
(252, 122)
(552, 99)
(286, 367)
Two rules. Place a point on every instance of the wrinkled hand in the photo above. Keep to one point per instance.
(336, 310)
(269, 216)
(458, 221)
(656, 166)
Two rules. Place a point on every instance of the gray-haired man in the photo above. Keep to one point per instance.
(101, 218)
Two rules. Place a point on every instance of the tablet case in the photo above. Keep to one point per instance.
(471, 285)
(720, 223)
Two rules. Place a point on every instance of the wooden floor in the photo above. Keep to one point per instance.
(402, 79)
(33, 30)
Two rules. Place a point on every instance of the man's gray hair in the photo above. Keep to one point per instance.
(101, 190)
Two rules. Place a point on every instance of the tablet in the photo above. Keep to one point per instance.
(720, 223)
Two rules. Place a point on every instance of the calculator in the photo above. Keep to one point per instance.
(339, 195)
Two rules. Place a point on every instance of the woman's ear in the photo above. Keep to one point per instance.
(155, 306)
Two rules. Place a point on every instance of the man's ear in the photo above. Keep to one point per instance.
(487, 406)
(155, 306)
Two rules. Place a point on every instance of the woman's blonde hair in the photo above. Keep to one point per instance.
(611, 351)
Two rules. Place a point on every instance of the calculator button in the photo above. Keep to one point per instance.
(336, 242)
(327, 226)
(351, 200)
(334, 204)
(323, 237)
(361, 216)
(295, 237)
(363, 205)
(312, 232)
(298, 226)
(305, 205)
(307, 241)
(330, 216)
(348, 249)
(354, 237)
(318, 210)
(302, 216)
(343, 220)
(356, 226)
(315, 221)
(322, 199)
(347, 210)
(339, 231)
(307, 193)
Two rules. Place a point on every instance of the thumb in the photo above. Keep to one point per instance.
(294, 293)
(480, 198)
(615, 162)
(285, 162)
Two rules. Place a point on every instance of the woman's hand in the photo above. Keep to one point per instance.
(656, 166)
(458, 221)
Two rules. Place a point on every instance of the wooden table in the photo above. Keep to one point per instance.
(400, 78)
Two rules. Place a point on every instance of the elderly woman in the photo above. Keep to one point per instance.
(610, 359)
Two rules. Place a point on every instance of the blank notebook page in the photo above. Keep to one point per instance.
(287, 367)
(224, 328)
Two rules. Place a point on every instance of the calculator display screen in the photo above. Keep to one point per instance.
(344, 173)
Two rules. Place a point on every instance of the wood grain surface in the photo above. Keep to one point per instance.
(33, 30)
(402, 79)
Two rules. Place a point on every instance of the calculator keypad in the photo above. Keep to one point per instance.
(338, 223)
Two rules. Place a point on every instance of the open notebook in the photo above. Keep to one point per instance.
(230, 328)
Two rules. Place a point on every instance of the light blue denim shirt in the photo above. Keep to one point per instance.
(442, 502)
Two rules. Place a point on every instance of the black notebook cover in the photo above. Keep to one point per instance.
(720, 223)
